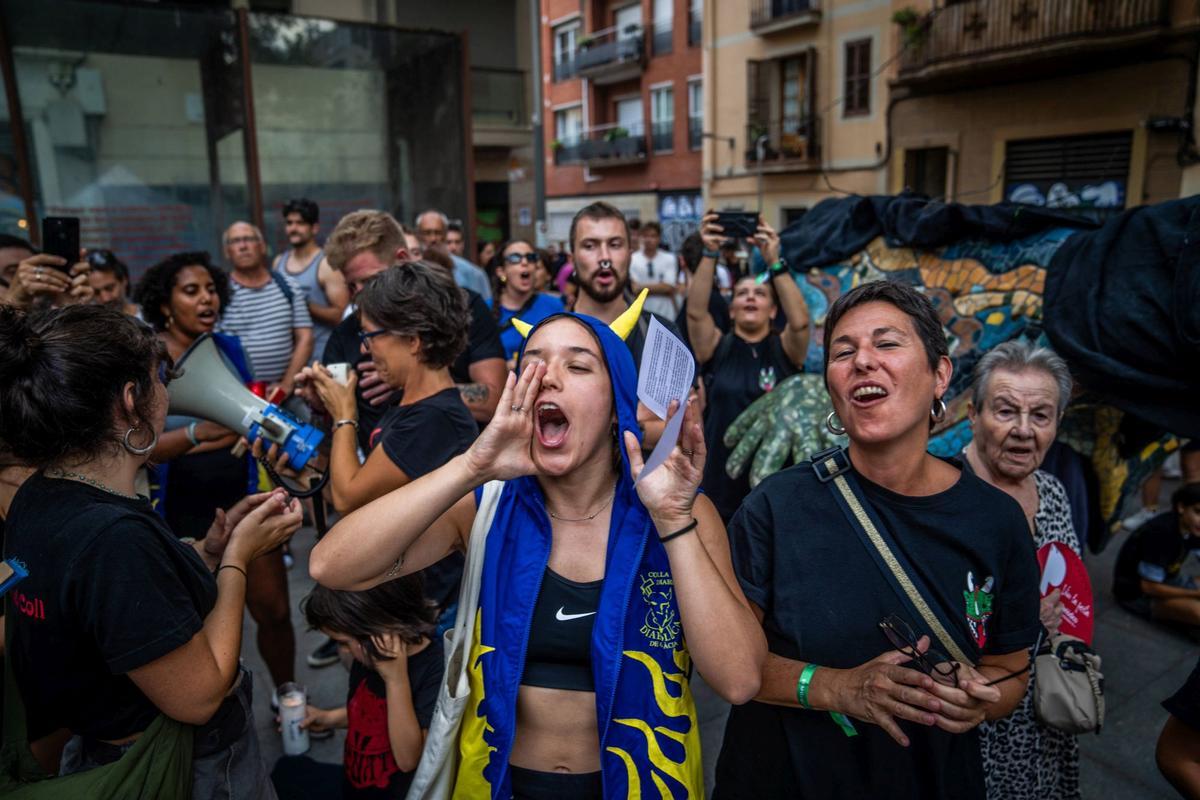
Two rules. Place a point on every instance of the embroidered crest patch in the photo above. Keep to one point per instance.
(662, 625)
(979, 607)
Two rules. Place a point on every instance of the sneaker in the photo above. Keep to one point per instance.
(1135, 521)
(324, 656)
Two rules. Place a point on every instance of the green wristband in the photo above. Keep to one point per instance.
(802, 684)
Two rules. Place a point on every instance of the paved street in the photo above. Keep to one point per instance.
(1143, 664)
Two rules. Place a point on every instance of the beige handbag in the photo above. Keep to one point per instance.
(1068, 689)
(438, 768)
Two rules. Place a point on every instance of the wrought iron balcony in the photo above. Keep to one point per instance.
(613, 146)
(972, 37)
(771, 16)
(695, 132)
(791, 141)
(566, 153)
(662, 136)
(694, 31)
(564, 70)
(610, 55)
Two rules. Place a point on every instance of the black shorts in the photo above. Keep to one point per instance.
(531, 784)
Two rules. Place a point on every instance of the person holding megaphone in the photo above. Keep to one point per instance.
(124, 640)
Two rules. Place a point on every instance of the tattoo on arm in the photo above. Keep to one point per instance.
(474, 393)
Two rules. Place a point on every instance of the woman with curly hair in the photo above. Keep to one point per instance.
(181, 298)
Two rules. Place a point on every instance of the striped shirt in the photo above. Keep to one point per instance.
(264, 320)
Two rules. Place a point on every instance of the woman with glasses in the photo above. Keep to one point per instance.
(414, 325)
(1018, 397)
(123, 639)
(875, 684)
(514, 274)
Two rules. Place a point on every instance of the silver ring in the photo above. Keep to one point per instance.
(688, 453)
(517, 409)
(38, 272)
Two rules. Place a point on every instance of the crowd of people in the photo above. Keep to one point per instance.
(871, 615)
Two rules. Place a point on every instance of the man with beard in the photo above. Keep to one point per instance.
(305, 263)
(600, 248)
(109, 278)
(267, 311)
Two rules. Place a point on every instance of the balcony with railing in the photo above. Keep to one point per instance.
(613, 146)
(567, 152)
(564, 69)
(609, 56)
(660, 40)
(974, 37)
(662, 136)
(773, 16)
(695, 133)
(694, 30)
(789, 142)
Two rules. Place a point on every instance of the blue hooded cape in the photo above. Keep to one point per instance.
(649, 736)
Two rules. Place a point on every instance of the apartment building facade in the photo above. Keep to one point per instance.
(797, 94)
(623, 109)
(1075, 104)
(1081, 104)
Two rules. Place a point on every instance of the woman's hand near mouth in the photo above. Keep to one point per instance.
(502, 451)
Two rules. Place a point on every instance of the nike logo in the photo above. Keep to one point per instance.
(561, 617)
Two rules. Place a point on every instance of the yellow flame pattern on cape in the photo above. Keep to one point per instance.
(688, 772)
(473, 748)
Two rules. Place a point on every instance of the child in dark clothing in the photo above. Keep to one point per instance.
(386, 635)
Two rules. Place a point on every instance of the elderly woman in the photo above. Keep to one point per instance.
(858, 697)
(1019, 396)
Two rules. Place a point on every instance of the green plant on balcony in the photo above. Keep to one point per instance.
(613, 134)
(757, 131)
(555, 144)
(585, 42)
(914, 27)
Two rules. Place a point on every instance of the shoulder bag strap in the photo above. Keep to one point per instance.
(468, 596)
(831, 467)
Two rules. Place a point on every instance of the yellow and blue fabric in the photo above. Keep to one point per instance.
(649, 738)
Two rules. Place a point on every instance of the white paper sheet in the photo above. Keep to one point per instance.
(666, 375)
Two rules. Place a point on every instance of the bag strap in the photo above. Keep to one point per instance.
(831, 467)
(468, 596)
(282, 283)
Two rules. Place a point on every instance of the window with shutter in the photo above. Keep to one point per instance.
(1085, 173)
(856, 93)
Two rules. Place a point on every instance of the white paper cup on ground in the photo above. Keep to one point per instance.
(293, 707)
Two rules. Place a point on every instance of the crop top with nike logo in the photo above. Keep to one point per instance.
(558, 655)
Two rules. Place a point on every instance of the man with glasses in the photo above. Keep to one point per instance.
(432, 227)
(267, 311)
(109, 278)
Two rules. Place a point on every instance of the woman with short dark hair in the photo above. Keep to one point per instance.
(414, 325)
(874, 683)
(122, 631)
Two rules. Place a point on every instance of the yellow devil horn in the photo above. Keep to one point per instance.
(522, 327)
(623, 325)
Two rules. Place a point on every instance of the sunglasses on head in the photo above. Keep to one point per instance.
(517, 258)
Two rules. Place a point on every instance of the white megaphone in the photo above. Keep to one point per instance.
(209, 389)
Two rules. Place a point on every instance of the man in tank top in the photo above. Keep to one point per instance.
(304, 262)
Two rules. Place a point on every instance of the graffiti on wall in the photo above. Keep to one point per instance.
(1104, 195)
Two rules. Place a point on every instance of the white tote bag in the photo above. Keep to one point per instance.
(438, 768)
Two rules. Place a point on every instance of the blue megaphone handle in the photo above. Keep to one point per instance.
(300, 445)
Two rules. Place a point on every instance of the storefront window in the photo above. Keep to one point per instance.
(352, 116)
(133, 117)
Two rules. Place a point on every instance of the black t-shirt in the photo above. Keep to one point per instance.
(718, 309)
(483, 342)
(419, 438)
(1184, 705)
(110, 589)
(737, 374)
(371, 770)
(1156, 551)
(823, 596)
